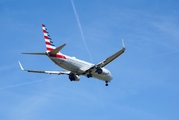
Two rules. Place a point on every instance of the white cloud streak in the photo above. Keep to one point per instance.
(84, 41)
(81, 30)
(26, 83)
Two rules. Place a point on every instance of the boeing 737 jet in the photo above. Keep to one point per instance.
(74, 67)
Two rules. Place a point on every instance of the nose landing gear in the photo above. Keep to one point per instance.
(106, 83)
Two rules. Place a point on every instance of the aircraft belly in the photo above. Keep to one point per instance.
(102, 77)
(65, 65)
(69, 67)
(57, 61)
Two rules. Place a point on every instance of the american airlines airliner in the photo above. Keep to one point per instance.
(74, 67)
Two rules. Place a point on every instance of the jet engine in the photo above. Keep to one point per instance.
(99, 70)
(74, 77)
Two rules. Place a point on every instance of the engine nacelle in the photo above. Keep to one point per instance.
(99, 70)
(74, 77)
(77, 78)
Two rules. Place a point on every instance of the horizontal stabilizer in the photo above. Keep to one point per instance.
(35, 53)
(56, 50)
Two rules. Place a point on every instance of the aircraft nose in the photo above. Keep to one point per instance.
(110, 76)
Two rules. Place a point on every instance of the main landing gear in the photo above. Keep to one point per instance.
(89, 75)
(106, 83)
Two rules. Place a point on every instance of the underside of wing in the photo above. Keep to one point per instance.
(97, 67)
(112, 57)
(45, 72)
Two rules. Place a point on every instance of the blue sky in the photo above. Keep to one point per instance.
(145, 83)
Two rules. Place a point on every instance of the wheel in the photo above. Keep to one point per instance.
(106, 83)
(89, 75)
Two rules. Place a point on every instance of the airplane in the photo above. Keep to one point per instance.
(74, 67)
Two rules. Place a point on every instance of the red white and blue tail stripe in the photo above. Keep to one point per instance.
(48, 41)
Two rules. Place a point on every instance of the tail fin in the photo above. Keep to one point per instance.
(48, 41)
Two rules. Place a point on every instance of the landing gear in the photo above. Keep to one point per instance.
(89, 75)
(106, 83)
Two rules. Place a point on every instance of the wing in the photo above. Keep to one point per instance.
(45, 72)
(106, 61)
(112, 57)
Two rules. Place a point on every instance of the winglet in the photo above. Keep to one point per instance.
(20, 65)
(123, 43)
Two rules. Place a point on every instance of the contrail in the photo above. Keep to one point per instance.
(79, 25)
(157, 55)
(83, 38)
(26, 83)
(162, 54)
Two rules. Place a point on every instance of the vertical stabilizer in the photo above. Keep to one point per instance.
(48, 41)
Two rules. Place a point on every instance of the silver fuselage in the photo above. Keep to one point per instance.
(78, 66)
